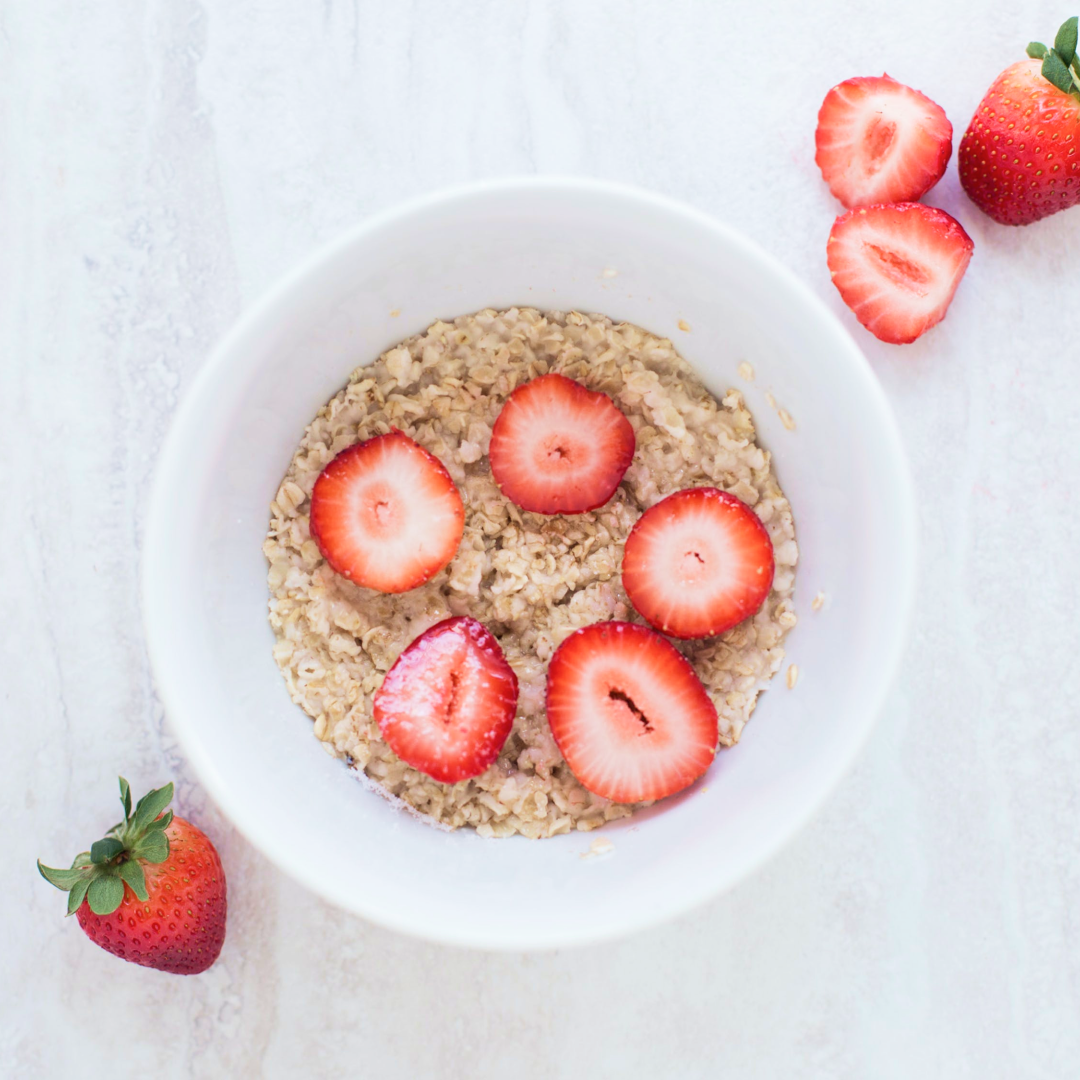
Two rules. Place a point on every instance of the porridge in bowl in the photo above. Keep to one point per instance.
(533, 580)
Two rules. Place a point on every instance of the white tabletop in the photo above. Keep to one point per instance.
(162, 163)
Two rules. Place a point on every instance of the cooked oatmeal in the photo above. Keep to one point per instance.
(531, 579)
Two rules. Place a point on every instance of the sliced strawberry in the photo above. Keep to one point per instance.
(447, 705)
(386, 515)
(558, 448)
(628, 713)
(880, 141)
(898, 266)
(697, 563)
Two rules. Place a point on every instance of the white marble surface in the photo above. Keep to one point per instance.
(164, 162)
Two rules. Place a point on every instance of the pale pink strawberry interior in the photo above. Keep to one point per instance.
(697, 562)
(881, 141)
(901, 261)
(632, 717)
(391, 513)
(572, 445)
(446, 703)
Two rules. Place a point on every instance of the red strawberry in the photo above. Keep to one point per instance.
(898, 266)
(448, 703)
(386, 514)
(558, 448)
(697, 563)
(152, 891)
(1020, 156)
(628, 713)
(880, 141)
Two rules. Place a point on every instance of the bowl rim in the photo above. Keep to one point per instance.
(234, 342)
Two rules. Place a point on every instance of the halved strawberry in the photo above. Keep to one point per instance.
(447, 705)
(898, 266)
(559, 448)
(386, 515)
(628, 713)
(880, 141)
(697, 563)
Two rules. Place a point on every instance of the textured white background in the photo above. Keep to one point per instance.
(164, 162)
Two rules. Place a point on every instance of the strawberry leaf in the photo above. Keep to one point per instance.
(1065, 42)
(152, 804)
(101, 851)
(105, 894)
(1036, 50)
(1056, 71)
(132, 873)
(162, 822)
(154, 847)
(125, 797)
(62, 879)
(77, 895)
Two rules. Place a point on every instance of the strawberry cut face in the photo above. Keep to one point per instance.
(898, 266)
(880, 141)
(698, 563)
(559, 448)
(386, 515)
(628, 712)
(447, 705)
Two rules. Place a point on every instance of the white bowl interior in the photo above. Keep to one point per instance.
(545, 244)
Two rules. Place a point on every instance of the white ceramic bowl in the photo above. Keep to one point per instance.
(551, 244)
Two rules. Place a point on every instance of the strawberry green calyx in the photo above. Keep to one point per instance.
(99, 875)
(1060, 64)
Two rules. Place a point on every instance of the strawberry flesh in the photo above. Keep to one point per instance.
(628, 713)
(880, 141)
(447, 705)
(898, 266)
(560, 448)
(697, 563)
(386, 515)
(1019, 159)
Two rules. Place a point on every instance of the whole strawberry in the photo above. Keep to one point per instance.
(152, 891)
(1020, 156)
